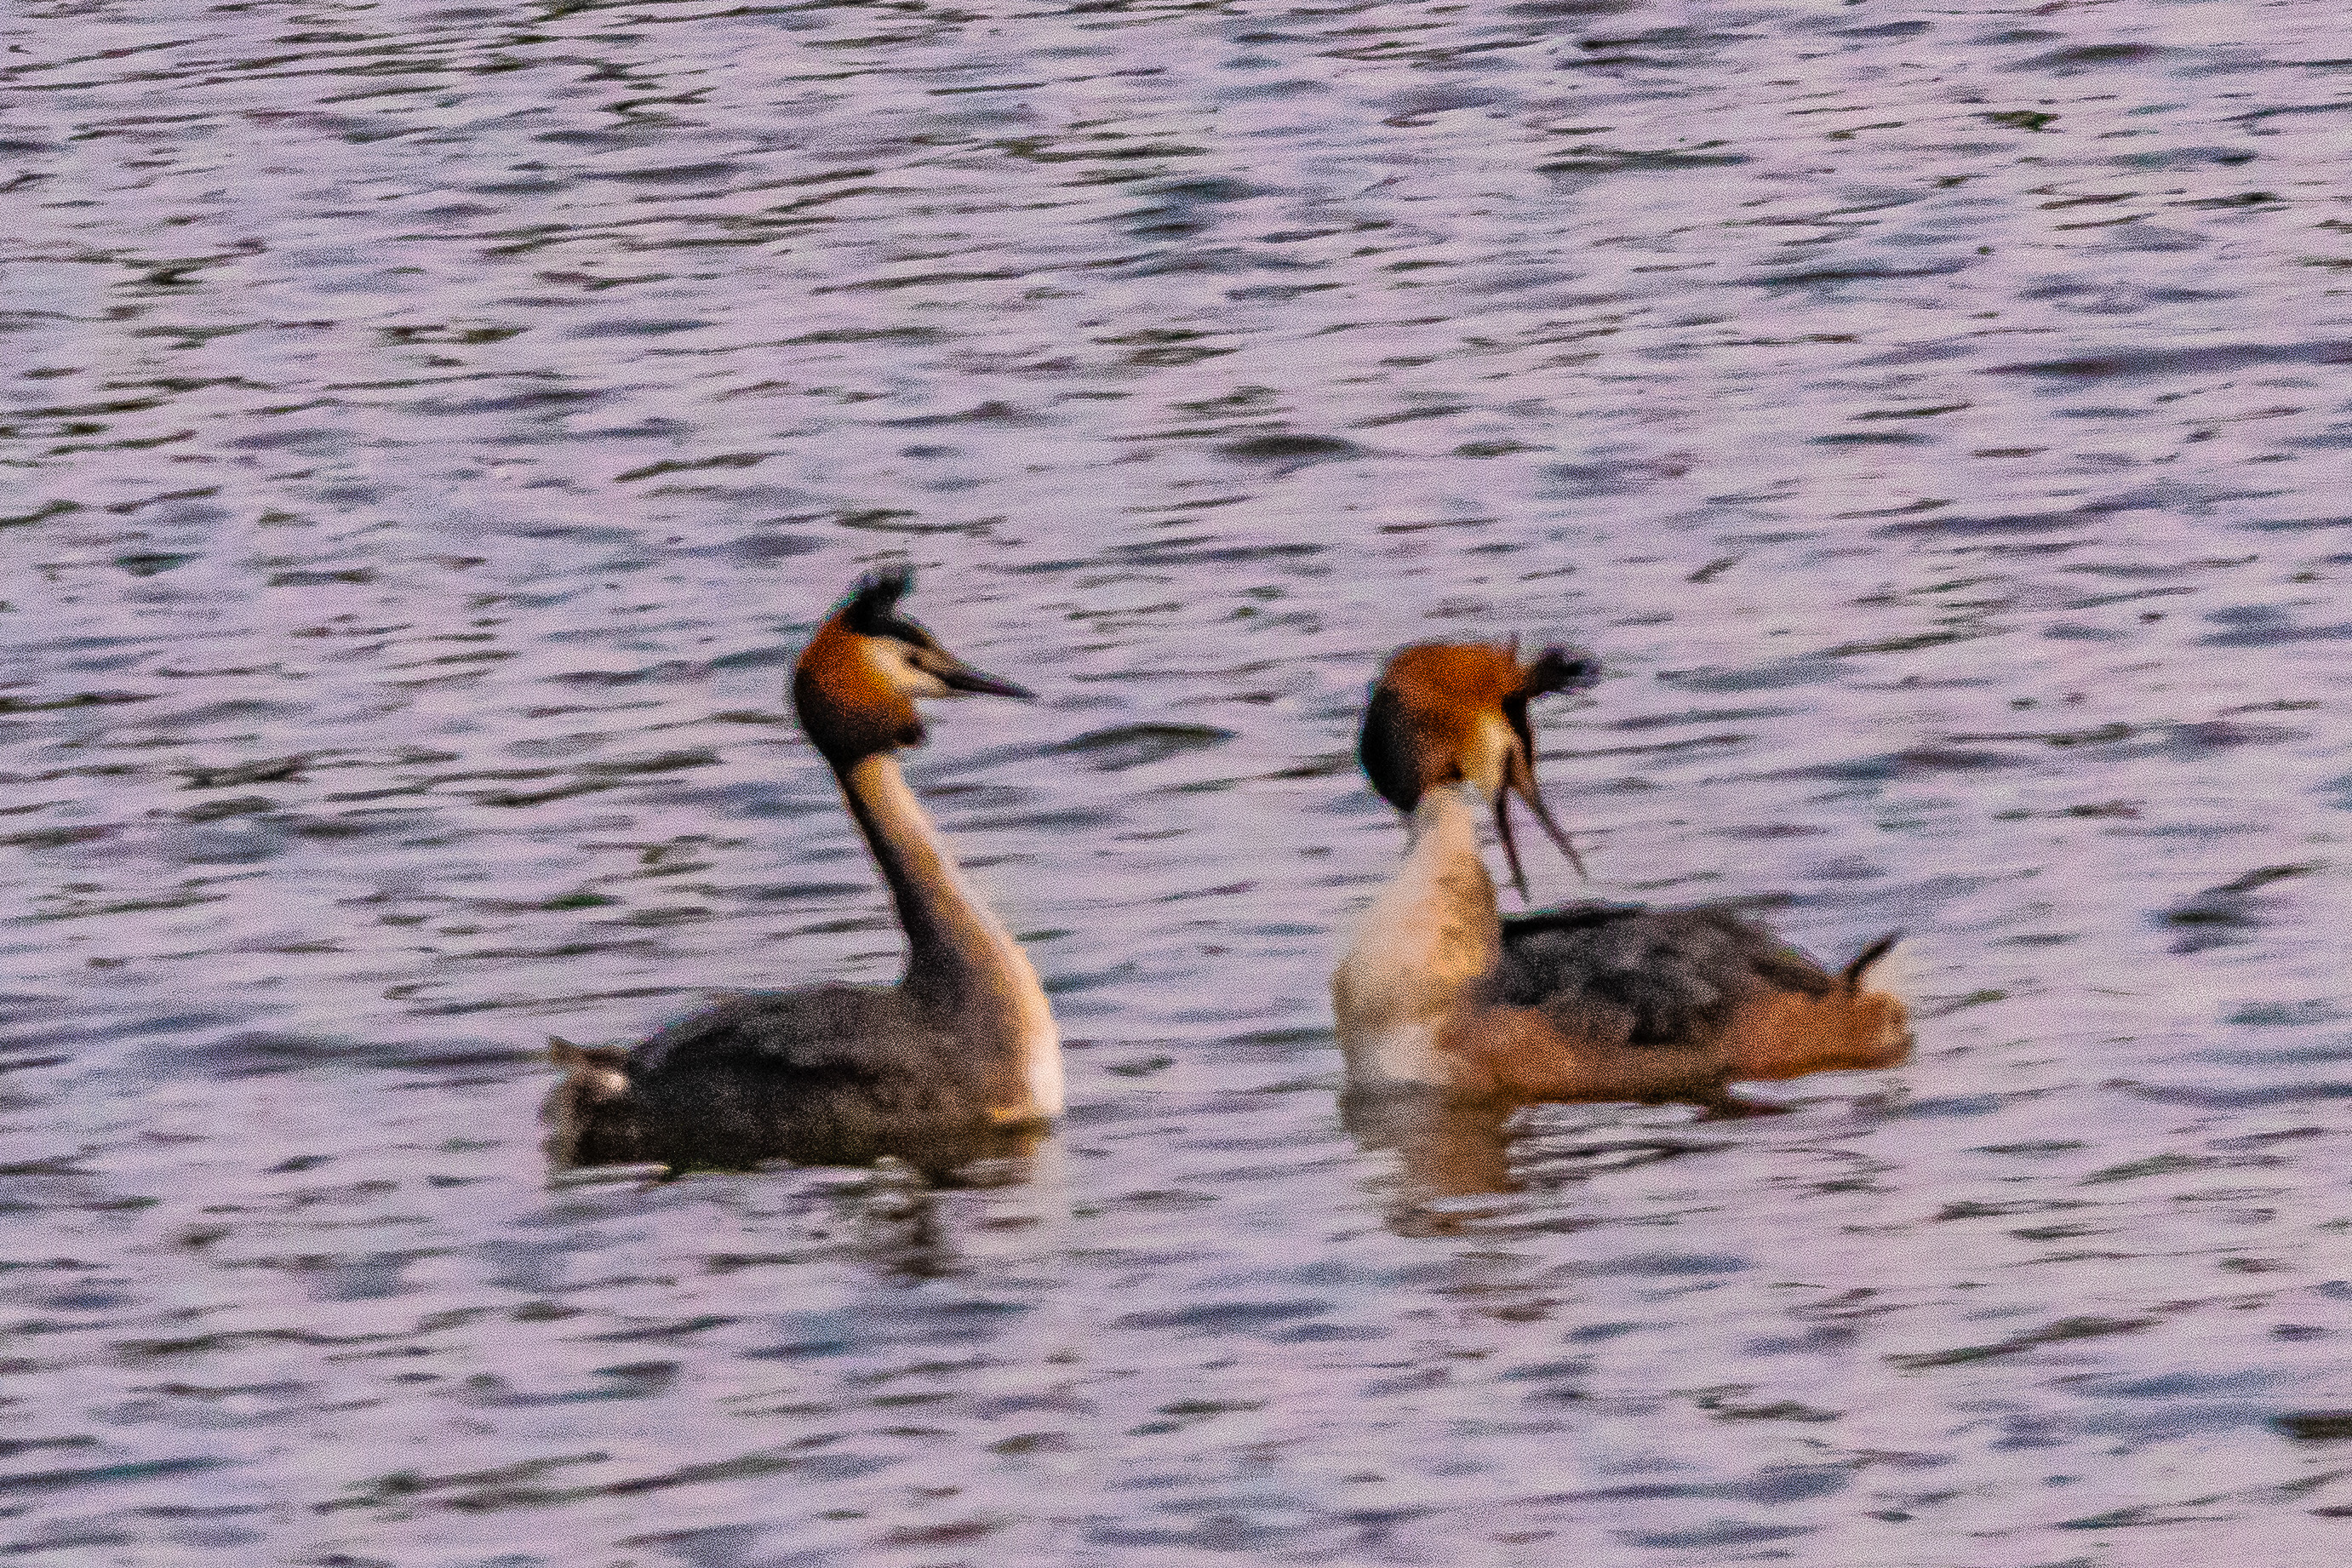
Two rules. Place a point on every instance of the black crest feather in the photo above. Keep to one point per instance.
(1560, 669)
(871, 609)
(1556, 669)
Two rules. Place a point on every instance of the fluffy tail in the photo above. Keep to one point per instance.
(589, 1115)
(1851, 975)
(1792, 1033)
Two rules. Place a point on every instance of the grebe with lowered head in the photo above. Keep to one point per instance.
(960, 1053)
(1587, 1001)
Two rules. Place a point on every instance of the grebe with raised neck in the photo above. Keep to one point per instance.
(960, 1057)
(1586, 1001)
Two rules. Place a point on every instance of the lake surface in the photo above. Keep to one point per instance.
(430, 433)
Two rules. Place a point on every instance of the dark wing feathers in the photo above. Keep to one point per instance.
(1645, 976)
(829, 1031)
(829, 1075)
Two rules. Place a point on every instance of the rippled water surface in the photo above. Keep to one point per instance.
(430, 433)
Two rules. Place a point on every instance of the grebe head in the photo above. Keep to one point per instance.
(1448, 714)
(855, 685)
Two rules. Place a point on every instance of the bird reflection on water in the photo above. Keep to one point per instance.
(1452, 1148)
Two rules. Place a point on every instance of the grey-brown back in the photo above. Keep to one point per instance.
(816, 1033)
(827, 1075)
(1631, 974)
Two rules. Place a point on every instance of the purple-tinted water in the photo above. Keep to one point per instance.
(430, 433)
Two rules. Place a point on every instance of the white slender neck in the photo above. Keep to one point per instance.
(1430, 935)
(1444, 882)
(961, 963)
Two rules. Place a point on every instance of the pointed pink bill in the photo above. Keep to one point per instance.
(1519, 779)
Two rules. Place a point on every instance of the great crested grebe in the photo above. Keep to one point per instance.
(1587, 1001)
(960, 1053)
